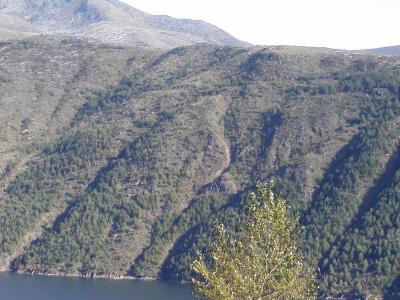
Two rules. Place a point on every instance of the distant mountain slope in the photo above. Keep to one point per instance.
(394, 50)
(112, 21)
(14, 27)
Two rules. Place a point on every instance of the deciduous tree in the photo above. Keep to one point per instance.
(260, 260)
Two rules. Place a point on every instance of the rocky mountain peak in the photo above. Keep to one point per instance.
(111, 21)
(62, 14)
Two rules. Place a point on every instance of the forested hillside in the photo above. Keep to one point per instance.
(122, 166)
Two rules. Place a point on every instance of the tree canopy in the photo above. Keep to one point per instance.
(260, 260)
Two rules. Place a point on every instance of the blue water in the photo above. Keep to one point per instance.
(25, 287)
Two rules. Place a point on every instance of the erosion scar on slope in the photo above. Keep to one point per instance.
(214, 177)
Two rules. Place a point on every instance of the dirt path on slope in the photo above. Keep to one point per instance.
(225, 165)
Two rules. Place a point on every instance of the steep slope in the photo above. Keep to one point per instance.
(134, 154)
(364, 261)
(39, 79)
(111, 21)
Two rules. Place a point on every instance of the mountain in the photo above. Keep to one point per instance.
(13, 28)
(108, 21)
(394, 50)
(117, 160)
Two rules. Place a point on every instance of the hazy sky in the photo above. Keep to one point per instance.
(346, 24)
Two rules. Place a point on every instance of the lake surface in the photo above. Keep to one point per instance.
(25, 287)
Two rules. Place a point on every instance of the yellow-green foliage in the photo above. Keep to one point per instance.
(260, 260)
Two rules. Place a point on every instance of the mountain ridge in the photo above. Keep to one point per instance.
(391, 50)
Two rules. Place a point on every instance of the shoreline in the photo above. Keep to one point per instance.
(86, 276)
